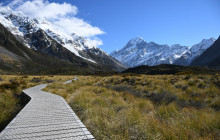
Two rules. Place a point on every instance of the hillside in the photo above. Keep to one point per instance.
(17, 58)
(210, 58)
(43, 36)
(168, 69)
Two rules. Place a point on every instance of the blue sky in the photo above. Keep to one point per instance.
(185, 22)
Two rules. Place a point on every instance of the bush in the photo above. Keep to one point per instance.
(128, 80)
(183, 87)
(164, 97)
(197, 104)
(11, 86)
(191, 83)
(182, 103)
(25, 76)
(36, 80)
(216, 104)
(124, 89)
(202, 85)
(49, 81)
(187, 77)
(12, 80)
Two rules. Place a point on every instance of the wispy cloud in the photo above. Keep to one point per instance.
(44, 9)
(62, 14)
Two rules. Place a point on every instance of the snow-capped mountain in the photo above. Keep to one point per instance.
(41, 35)
(194, 52)
(139, 52)
(210, 58)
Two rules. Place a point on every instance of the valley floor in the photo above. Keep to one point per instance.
(131, 106)
(146, 107)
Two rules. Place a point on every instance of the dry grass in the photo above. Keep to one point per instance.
(146, 107)
(11, 100)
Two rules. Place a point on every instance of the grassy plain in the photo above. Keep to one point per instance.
(146, 106)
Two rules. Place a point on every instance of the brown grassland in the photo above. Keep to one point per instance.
(11, 99)
(145, 106)
(129, 106)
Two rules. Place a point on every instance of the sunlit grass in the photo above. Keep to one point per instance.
(11, 87)
(146, 107)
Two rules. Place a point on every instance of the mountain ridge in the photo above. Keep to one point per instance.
(138, 52)
(41, 35)
(15, 58)
(210, 58)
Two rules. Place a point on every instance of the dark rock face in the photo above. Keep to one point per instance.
(41, 42)
(210, 58)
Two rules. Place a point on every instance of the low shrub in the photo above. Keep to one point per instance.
(124, 89)
(49, 81)
(197, 104)
(215, 104)
(36, 80)
(163, 97)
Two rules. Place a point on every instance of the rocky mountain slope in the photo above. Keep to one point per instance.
(17, 58)
(138, 52)
(194, 52)
(41, 35)
(210, 58)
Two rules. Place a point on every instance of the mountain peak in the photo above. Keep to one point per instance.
(136, 53)
(208, 40)
(136, 40)
(212, 38)
(175, 45)
(152, 43)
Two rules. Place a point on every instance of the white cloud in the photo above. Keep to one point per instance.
(79, 26)
(60, 14)
(44, 9)
(93, 42)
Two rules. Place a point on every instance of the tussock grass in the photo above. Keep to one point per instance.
(11, 99)
(145, 106)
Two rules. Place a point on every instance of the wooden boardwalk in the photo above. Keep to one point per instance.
(46, 116)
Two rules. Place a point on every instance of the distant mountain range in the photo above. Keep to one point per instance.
(35, 46)
(41, 36)
(138, 52)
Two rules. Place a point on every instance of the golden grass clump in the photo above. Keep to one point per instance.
(11, 100)
(146, 106)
